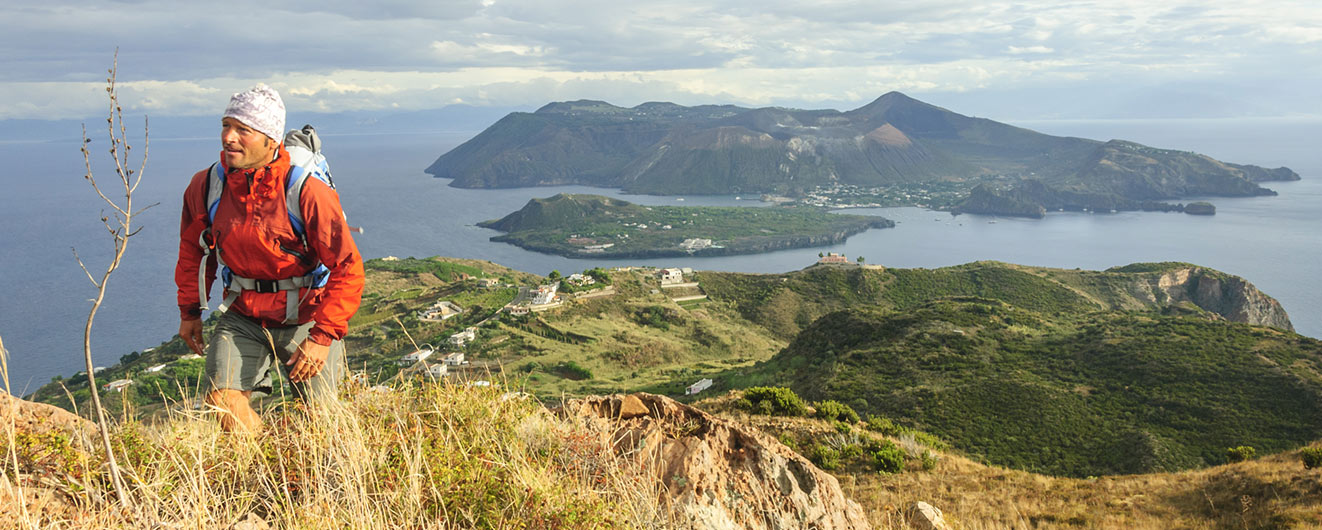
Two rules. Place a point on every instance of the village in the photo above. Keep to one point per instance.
(449, 360)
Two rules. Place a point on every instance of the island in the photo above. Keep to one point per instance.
(894, 151)
(1200, 208)
(579, 226)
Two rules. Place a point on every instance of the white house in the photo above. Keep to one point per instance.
(545, 294)
(437, 371)
(417, 356)
(117, 385)
(488, 283)
(464, 337)
(695, 244)
(190, 356)
(518, 310)
(157, 368)
(439, 311)
(454, 358)
(669, 276)
(832, 257)
(697, 387)
(580, 279)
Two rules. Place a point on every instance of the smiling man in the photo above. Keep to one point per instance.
(289, 293)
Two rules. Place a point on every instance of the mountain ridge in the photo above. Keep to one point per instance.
(665, 148)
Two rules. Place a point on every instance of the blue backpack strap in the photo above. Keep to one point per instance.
(214, 186)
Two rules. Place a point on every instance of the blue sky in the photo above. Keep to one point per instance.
(999, 59)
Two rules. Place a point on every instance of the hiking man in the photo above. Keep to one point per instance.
(289, 294)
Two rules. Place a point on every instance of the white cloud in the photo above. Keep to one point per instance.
(404, 54)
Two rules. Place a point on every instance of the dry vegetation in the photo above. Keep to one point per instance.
(439, 456)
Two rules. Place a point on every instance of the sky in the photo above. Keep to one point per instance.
(1036, 59)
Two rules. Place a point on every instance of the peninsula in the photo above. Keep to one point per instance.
(595, 226)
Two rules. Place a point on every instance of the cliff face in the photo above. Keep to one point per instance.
(1231, 297)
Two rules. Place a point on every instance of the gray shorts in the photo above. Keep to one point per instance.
(241, 356)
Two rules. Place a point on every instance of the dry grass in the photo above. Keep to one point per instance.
(437, 456)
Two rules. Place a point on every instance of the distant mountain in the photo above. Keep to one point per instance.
(663, 148)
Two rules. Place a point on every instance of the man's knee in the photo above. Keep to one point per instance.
(229, 399)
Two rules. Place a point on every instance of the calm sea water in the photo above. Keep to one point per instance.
(46, 209)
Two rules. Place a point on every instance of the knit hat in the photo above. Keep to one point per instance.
(261, 108)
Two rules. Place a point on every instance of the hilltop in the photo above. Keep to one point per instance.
(593, 225)
(1140, 368)
(663, 148)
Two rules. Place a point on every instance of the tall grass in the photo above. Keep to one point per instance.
(433, 456)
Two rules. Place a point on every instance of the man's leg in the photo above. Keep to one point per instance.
(236, 410)
(323, 387)
(238, 362)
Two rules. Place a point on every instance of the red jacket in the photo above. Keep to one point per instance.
(251, 224)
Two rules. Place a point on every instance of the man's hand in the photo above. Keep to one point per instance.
(307, 361)
(191, 332)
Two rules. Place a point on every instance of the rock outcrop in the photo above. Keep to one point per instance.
(718, 474)
(1231, 297)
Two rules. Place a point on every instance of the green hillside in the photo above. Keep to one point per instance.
(1146, 367)
(1098, 393)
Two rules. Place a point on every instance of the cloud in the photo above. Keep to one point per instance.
(405, 54)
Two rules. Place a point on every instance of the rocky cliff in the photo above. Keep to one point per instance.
(1231, 297)
(717, 474)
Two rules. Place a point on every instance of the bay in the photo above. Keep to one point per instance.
(46, 209)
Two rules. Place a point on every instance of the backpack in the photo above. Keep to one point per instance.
(305, 161)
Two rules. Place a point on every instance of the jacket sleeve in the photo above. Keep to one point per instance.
(328, 235)
(191, 225)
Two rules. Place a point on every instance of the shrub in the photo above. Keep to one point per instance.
(851, 451)
(825, 457)
(842, 427)
(787, 440)
(888, 459)
(835, 410)
(882, 425)
(929, 461)
(779, 401)
(1312, 457)
(1240, 453)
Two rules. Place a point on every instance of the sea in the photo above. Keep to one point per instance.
(49, 212)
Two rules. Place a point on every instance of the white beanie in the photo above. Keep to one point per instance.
(260, 108)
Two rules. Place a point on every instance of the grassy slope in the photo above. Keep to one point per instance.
(1276, 491)
(637, 339)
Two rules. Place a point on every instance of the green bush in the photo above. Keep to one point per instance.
(882, 425)
(1312, 457)
(851, 451)
(888, 459)
(787, 440)
(835, 410)
(929, 461)
(825, 457)
(842, 427)
(1240, 454)
(777, 400)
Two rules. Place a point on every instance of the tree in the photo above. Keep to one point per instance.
(860, 260)
(121, 230)
(555, 275)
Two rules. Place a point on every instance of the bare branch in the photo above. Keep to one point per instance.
(80, 264)
(120, 233)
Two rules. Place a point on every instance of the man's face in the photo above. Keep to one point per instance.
(244, 147)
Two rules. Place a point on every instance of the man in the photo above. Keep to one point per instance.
(254, 239)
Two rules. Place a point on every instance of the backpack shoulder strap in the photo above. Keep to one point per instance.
(212, 189)
(305, 160)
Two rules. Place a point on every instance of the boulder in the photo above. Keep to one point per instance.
(715, 473)
(40, 418)
(923, 516)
